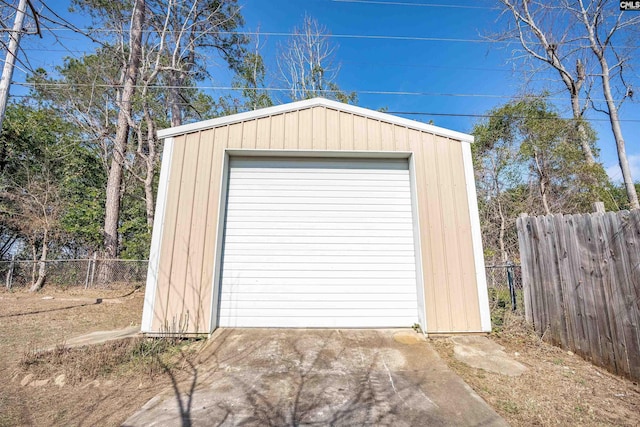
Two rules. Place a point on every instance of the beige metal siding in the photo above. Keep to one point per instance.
(185, 280)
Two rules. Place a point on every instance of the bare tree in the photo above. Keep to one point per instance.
(541, 31)
(114, 181)
(173, 52)
(34, 208)
(601, 27)
(185, 32)
(570, 37)
(307, 64)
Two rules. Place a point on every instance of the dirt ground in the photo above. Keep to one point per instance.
(91, 395)
(558, 389)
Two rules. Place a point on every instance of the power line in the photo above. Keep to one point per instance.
(488, 116)
(87, 31)
(281, 89)
(427, 113)
(345, 61)
(398, 3)
(290, 34)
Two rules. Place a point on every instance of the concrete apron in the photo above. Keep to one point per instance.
(288, 377)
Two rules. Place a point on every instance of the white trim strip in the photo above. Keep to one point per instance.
(156, 238)
(476, 237)
(305, 153)
(315, 102)
(219, 248)
(417, 246)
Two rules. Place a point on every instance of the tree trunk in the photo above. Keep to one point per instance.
(150, 161)
(114, 182)
(582, 133)
(34, 254)
(542, 183)
(630, 188)
(174, 100)
(42, 266)
(503, 226)
(598, 48)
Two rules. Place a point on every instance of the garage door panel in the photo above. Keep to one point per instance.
(344, 233)
(349, 165)
(317, 247)
(304, 267)
(230, 274)
(313, 225)
(319, 243)
(303, 207)
(374, 321)
(255, 307)
(306, 184)
(365, 259)
(311, 241)
(302, 215)
(267, 295)
(325, 194)
(337, 206)
(336, 284)
(313, 253)
(325, 178)
(252, 312)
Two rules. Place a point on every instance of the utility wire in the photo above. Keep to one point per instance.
(86, 31)
(55, 85)
(345, 61)
(427, 113)
(399, 3)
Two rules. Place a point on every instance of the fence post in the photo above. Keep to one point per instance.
(86, 279)
(598, 207)
(93, 267)
(512, 288)
(9, 278)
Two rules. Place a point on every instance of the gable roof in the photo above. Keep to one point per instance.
(309, 103)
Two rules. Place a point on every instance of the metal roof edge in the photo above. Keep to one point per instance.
(309, 103)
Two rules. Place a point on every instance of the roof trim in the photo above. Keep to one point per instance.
(309, 103)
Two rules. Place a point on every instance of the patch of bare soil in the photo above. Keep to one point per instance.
(559, 388)
(94, 385)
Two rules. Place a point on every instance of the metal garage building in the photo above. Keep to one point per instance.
(315, 214)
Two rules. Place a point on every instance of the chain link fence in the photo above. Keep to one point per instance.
(85, 273)
(503, 281)
(505, 287)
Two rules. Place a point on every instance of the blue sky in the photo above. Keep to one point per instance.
(442, 75)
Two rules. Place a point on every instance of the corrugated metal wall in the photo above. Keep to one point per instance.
(184, 288)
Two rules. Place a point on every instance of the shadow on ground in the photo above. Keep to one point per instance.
(278, 377)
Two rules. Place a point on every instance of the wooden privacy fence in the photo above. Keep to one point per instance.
(581, 281)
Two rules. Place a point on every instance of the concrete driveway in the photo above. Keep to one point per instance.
(291, 377)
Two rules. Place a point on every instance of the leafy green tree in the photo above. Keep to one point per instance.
(162, 47)
(39, 185)
(527, 160)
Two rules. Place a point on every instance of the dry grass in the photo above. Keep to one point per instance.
(104, 384)
(143, 356)
(558, 389)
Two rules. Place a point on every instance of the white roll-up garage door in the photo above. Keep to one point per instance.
(318, 243)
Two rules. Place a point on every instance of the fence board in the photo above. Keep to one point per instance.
(522, 224)
(538, 298)
(557, 316)
(620, 361)
(576, 289)
(631, 233)
(581, 282)
(569, 310)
